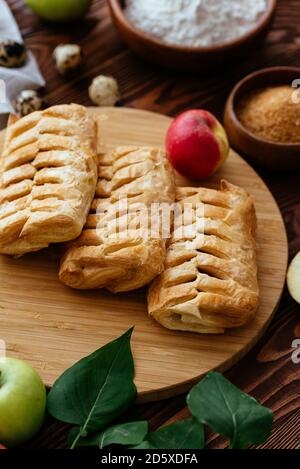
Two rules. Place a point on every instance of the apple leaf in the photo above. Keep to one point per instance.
(228, 411)
(132, 433)
(185, 434)
(97, 389)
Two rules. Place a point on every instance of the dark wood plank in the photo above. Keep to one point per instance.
(267, 372)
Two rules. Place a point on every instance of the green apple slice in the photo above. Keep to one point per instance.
(293, 278)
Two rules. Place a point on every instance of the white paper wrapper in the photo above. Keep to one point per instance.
(15, 79)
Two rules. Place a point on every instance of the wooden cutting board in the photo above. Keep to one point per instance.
(52, 326)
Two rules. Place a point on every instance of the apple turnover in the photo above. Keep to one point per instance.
(115, 250)
(209, 282)
(48, 178)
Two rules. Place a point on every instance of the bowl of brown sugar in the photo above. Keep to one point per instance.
(262, 118)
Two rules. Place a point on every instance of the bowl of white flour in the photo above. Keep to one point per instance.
(195, 34)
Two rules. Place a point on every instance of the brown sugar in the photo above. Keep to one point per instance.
(272, 113)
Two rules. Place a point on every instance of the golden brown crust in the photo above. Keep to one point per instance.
(48, 178)
(209, 282)
(128, 261)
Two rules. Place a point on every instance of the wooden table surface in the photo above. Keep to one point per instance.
(268, 372)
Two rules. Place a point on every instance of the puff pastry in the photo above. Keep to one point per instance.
(209, 282)
(48, 178)
(130, 260)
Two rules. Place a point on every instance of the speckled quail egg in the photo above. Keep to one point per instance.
(12, 54)
(28, 101)
(104, 91)
(68, 58)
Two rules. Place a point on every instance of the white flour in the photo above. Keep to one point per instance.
(195, 22)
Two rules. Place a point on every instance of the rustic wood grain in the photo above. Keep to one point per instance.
(267, 372)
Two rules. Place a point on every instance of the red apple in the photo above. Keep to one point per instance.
(2, 447)
(197, 144)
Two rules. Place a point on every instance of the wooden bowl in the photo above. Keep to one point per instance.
(270, 155)
(182, 57)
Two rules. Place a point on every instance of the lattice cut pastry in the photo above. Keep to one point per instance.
(122, 258)
(48, 178)
(209, 282)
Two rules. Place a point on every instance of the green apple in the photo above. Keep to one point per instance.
(59, 10)
(22, 401)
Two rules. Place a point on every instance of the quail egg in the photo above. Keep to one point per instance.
(68, 58)
(28, 101)
(104, 91)
(12, 54)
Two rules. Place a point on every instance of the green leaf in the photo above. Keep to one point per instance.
(74, 435)
(97, 389)
(144, 445)
(132, 433)
(228, 411)
(186, 434)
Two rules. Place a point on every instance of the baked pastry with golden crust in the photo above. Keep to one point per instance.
(48, 178)
(209, 282)
(115, 250)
